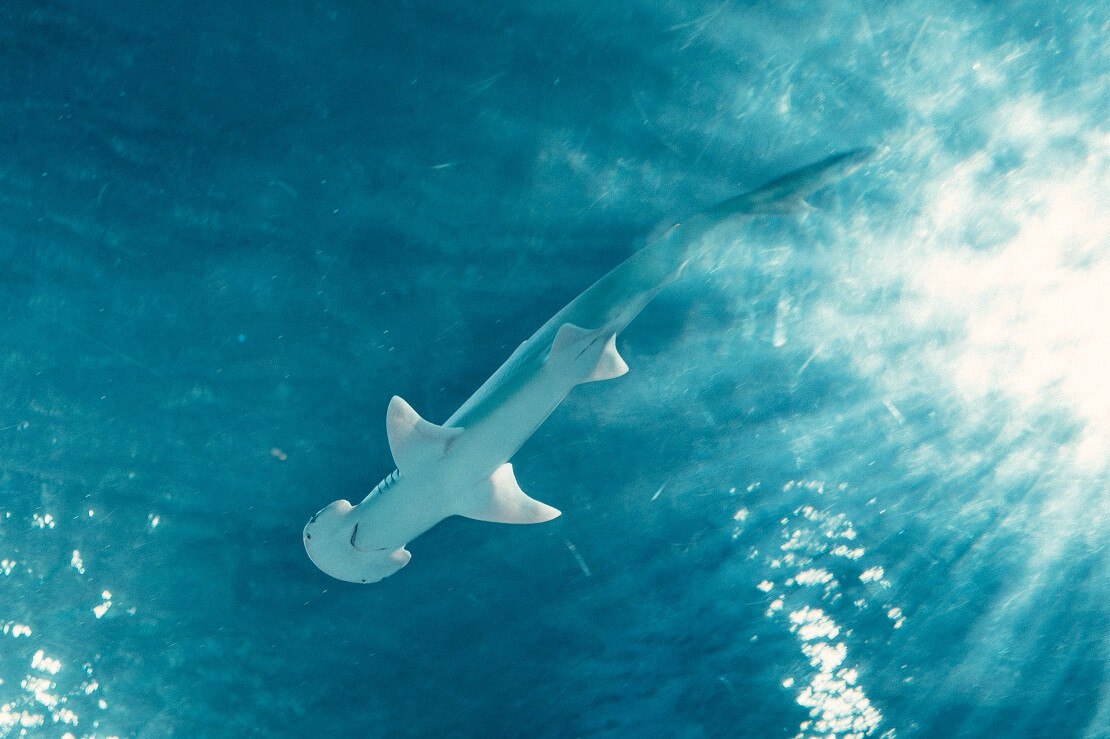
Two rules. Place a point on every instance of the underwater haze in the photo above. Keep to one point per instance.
(856, 483)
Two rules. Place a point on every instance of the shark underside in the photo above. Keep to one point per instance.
(462, 466)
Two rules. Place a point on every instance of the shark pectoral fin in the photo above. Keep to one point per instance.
(413, 441)
(576, 342)
(499, 499)
(610, 364)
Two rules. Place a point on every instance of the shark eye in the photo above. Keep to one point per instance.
(317, 514)
(354, 534)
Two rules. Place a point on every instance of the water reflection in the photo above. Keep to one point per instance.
(39, 687)
(818, 547)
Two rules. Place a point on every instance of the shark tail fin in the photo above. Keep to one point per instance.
(499, 499)
(786, 194)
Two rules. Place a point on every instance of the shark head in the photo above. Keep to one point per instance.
(329, 539)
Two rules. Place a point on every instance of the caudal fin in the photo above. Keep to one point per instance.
(787, 194)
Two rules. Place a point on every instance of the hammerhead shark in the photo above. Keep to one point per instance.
(462, 468)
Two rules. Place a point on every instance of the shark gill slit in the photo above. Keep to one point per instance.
(385, 484)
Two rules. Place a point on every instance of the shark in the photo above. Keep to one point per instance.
(462, 467)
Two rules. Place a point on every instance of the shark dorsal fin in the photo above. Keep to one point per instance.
(413, 441)
(499, 499)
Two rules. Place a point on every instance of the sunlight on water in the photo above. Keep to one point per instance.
(998, 254)
(41, 694)
(1034, 305)
(974, 305)
(812, 556)
(40, 703)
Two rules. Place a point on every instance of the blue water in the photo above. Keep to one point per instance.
(855, 483)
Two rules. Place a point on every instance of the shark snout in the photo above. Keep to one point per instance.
(330, 538)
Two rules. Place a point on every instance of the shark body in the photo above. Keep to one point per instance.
(462, 467)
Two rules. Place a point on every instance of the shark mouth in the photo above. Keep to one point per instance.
(357, 548)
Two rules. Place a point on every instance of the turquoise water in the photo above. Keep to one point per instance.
(855, 483)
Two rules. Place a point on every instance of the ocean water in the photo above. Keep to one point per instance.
(854, 485)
